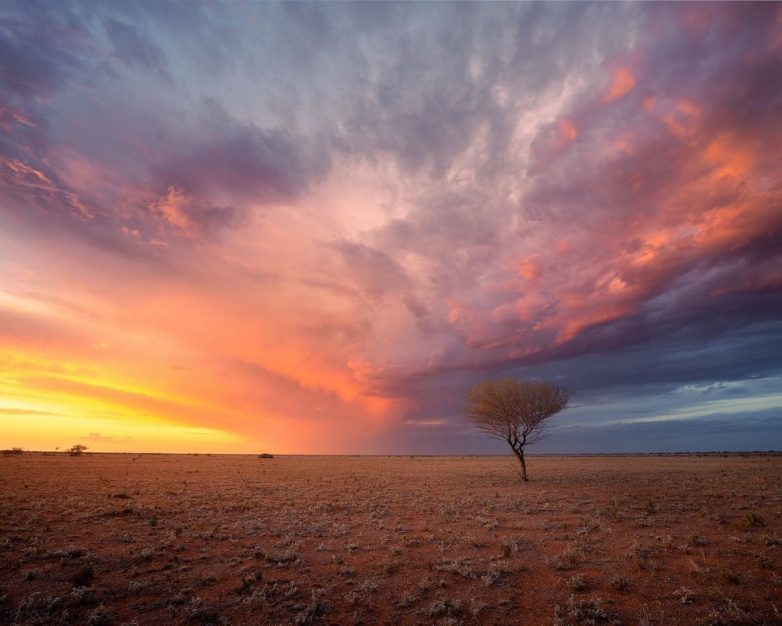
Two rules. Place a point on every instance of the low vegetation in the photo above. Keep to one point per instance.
(424, 540)
(77, 449)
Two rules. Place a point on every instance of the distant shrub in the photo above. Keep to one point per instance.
(583, 612)
(495, 575)
(198, 611)
(84, 575)
(509, 546)
(641, 554)
(750, 520)
(246, 587)
(620, 583)
(579, 582)
(685, 595)
(764, 562)
(100, 616)
(572, 556)
(71, 552)
(313, 612)
(731, 576)
(77, 449)
(444, 608)
(31, 574)
(265, 455)
(12, 452)
(39, 609)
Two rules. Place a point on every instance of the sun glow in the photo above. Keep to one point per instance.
(42, 419)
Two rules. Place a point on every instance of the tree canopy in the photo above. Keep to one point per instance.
(515, 410)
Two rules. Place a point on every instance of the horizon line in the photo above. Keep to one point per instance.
(771, 452)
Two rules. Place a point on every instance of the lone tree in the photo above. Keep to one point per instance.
(515, 411)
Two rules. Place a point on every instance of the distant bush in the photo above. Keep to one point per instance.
(751, 520)
(579, 582)
(77, 450)
(620, 583)
(12, 451)
(84, 575)
(731, 576)
(583, 612)
(444, 608)
(265, 455)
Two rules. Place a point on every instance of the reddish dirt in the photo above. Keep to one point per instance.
(205, 539)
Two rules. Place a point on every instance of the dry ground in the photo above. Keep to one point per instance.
(166, 539)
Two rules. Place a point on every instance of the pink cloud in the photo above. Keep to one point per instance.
(623, 81)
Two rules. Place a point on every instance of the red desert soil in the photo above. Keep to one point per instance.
(167, 539)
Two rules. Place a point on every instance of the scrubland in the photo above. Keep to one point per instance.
(167, 539)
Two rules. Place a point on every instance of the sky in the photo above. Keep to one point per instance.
(312, 227)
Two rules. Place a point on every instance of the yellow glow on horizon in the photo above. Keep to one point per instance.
(49, 422)
(46, 403)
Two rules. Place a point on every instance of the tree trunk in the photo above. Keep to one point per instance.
(519, 451)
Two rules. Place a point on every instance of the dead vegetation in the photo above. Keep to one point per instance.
(403, 540)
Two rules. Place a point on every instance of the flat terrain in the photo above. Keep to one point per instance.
(167, 539)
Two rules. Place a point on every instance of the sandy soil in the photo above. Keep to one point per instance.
(166, 539)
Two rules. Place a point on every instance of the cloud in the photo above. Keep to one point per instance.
(337, 244)
(135, 49)
(98, 438)
(39, 53)
(20, 412)
(187, 214)
(240, 162)
(622, 82)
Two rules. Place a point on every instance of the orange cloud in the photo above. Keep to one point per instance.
(622, 82)
(530, 268)
(173, 207)
(730, 156)
(573, 327)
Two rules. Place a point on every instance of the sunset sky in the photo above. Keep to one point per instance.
(310, 228)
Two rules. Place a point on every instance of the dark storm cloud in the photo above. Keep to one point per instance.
(760, 431)
(702, 435)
